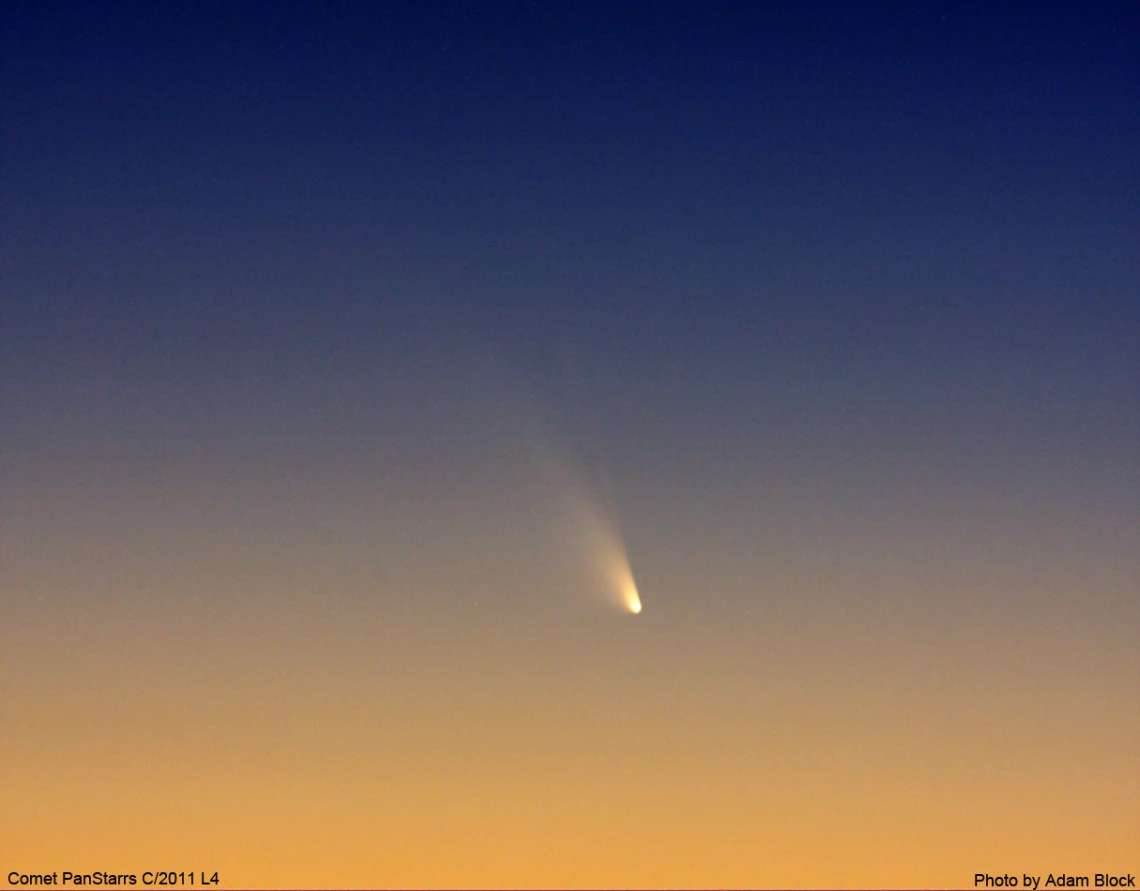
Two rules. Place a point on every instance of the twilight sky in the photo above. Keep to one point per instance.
(347, 353)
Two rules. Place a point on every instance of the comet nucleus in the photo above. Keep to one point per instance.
(621, 578)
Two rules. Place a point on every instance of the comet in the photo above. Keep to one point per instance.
(626, 588)
(588, 520)
(603, 548)
(633, 602)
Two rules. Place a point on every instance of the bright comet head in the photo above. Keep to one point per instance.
(621, 579)
(632, 600)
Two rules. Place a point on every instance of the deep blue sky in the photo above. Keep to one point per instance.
(690, 238)
(898, 180)
(678, 234)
